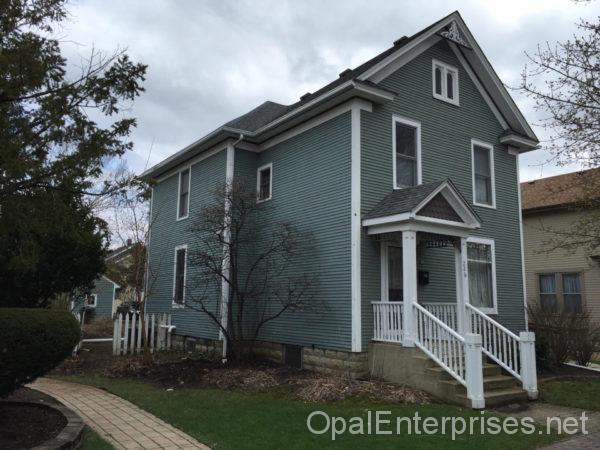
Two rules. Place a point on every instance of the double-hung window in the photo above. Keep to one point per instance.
(264, 182)
(482, 274)
(482, 155)
(407, 153)
(183, 199)
(572, 292)
(548, 300)
(445, 82)
(561, 292)
(179, 277)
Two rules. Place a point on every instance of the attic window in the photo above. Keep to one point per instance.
(445, 82)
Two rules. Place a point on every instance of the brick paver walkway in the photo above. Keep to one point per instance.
(121, 423)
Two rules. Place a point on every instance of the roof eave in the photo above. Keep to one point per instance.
(522, 143)
(345, 92)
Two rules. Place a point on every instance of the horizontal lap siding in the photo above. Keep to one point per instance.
(104, 289)
(539, 260)
(446, 133)
(311, 190)
(168, 233)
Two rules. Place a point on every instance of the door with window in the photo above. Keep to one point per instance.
(394, 274)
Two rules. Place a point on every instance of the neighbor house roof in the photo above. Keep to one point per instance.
(560, 191)
(271, 118)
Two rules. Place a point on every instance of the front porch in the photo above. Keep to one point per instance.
(411, 225)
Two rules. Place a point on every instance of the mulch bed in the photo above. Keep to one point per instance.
(27, 425)
(175, 371)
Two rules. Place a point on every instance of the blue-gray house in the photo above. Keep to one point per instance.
(101, 300)
(405, 171)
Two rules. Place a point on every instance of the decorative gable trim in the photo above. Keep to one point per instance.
(453, 34)
(475, 58)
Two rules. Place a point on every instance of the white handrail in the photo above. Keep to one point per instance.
(498, 342)
(441, 343)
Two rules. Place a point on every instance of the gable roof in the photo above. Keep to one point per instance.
(561, 191)
(270, 118)
(413, 201)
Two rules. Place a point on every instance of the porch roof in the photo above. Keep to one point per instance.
(437, 204)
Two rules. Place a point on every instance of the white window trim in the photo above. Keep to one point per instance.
(417, 125)
(444, 95)
(189, 169)
(173, 303)
(258, 171)
(492, 244)
(490, 147)
(93, 305)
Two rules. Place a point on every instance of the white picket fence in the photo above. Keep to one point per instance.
(128, 337)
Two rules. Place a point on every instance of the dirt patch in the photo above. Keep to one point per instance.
(27, 425)
(174, 371)
(98, 328)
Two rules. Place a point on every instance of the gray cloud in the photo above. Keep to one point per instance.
(211, 61)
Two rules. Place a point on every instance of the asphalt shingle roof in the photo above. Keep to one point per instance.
(561, 190)
(269, 111)
(402, 200)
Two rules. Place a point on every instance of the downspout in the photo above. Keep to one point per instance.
(225, 291)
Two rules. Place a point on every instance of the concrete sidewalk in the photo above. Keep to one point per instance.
(540, 412)
(118, 421)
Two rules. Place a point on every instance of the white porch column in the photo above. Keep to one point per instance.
(409, 285)
(462, 286)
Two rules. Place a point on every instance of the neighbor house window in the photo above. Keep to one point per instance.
(407, 153)
(571, 292)
(91, 301)
(561, 292)
(548, 300)
(395, 285)
(264, 183)
(482, 278)
(483, 174)
(179, 275)
(445, 82)
(183, 200)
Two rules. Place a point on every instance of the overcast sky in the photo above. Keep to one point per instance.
(210, 61)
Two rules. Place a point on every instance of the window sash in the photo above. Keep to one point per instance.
(566, 296)
(406, 154)
(264, 185)
(481, 279)
(184, 187)
(482, 174)
(180, 267)
(445, 82)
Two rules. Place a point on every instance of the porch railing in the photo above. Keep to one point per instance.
(387, 318)
(515, 354)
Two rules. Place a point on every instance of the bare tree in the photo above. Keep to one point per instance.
(258, 264)
(564, 82)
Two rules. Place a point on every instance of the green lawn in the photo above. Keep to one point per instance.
(583, 394)
(92, 441)
(236, 420)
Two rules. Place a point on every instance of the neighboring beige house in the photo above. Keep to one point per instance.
(557, 278)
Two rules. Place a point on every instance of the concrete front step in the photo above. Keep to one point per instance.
(499, 397)
(489, 370)
(411, 366)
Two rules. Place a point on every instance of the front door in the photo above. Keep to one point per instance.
(394, 273)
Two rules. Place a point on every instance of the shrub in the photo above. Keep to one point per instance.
(562, 335)
(33, 342)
